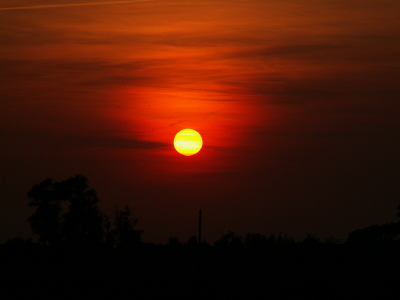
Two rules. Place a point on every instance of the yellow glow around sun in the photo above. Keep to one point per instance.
(188, 142)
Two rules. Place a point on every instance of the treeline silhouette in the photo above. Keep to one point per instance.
(81, 252)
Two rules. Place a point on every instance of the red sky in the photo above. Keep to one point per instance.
(296, 101)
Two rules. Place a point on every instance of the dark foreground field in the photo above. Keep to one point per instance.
(270, 271)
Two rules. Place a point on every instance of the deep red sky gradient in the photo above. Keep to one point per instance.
(297, 103)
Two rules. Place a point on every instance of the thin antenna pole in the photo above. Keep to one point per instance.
(199, 226)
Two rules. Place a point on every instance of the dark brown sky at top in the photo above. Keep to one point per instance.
(297, 103)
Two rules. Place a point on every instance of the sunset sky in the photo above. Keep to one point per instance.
(297, 103)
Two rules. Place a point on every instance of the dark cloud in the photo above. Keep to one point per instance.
(50, 144)
(115, 142)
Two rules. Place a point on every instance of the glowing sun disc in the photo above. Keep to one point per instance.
(188, 142)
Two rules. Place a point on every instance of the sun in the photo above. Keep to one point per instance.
(188, 142)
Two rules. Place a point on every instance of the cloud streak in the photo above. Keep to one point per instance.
(117, 142)
(69, 5)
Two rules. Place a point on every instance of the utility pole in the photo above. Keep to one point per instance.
(199, 226)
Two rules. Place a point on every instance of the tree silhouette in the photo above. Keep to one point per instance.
(83, 220)
(375, 234)
(124, 232)
(45, 222)
(229, 240)
(80, 224)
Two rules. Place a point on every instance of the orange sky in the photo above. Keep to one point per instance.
(297, 104)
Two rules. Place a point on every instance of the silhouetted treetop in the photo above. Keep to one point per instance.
(124, 231)
(66, 211)
(375, 234)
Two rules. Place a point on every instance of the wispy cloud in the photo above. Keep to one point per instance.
(35, 140)
(68, 5)
(117, 142)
